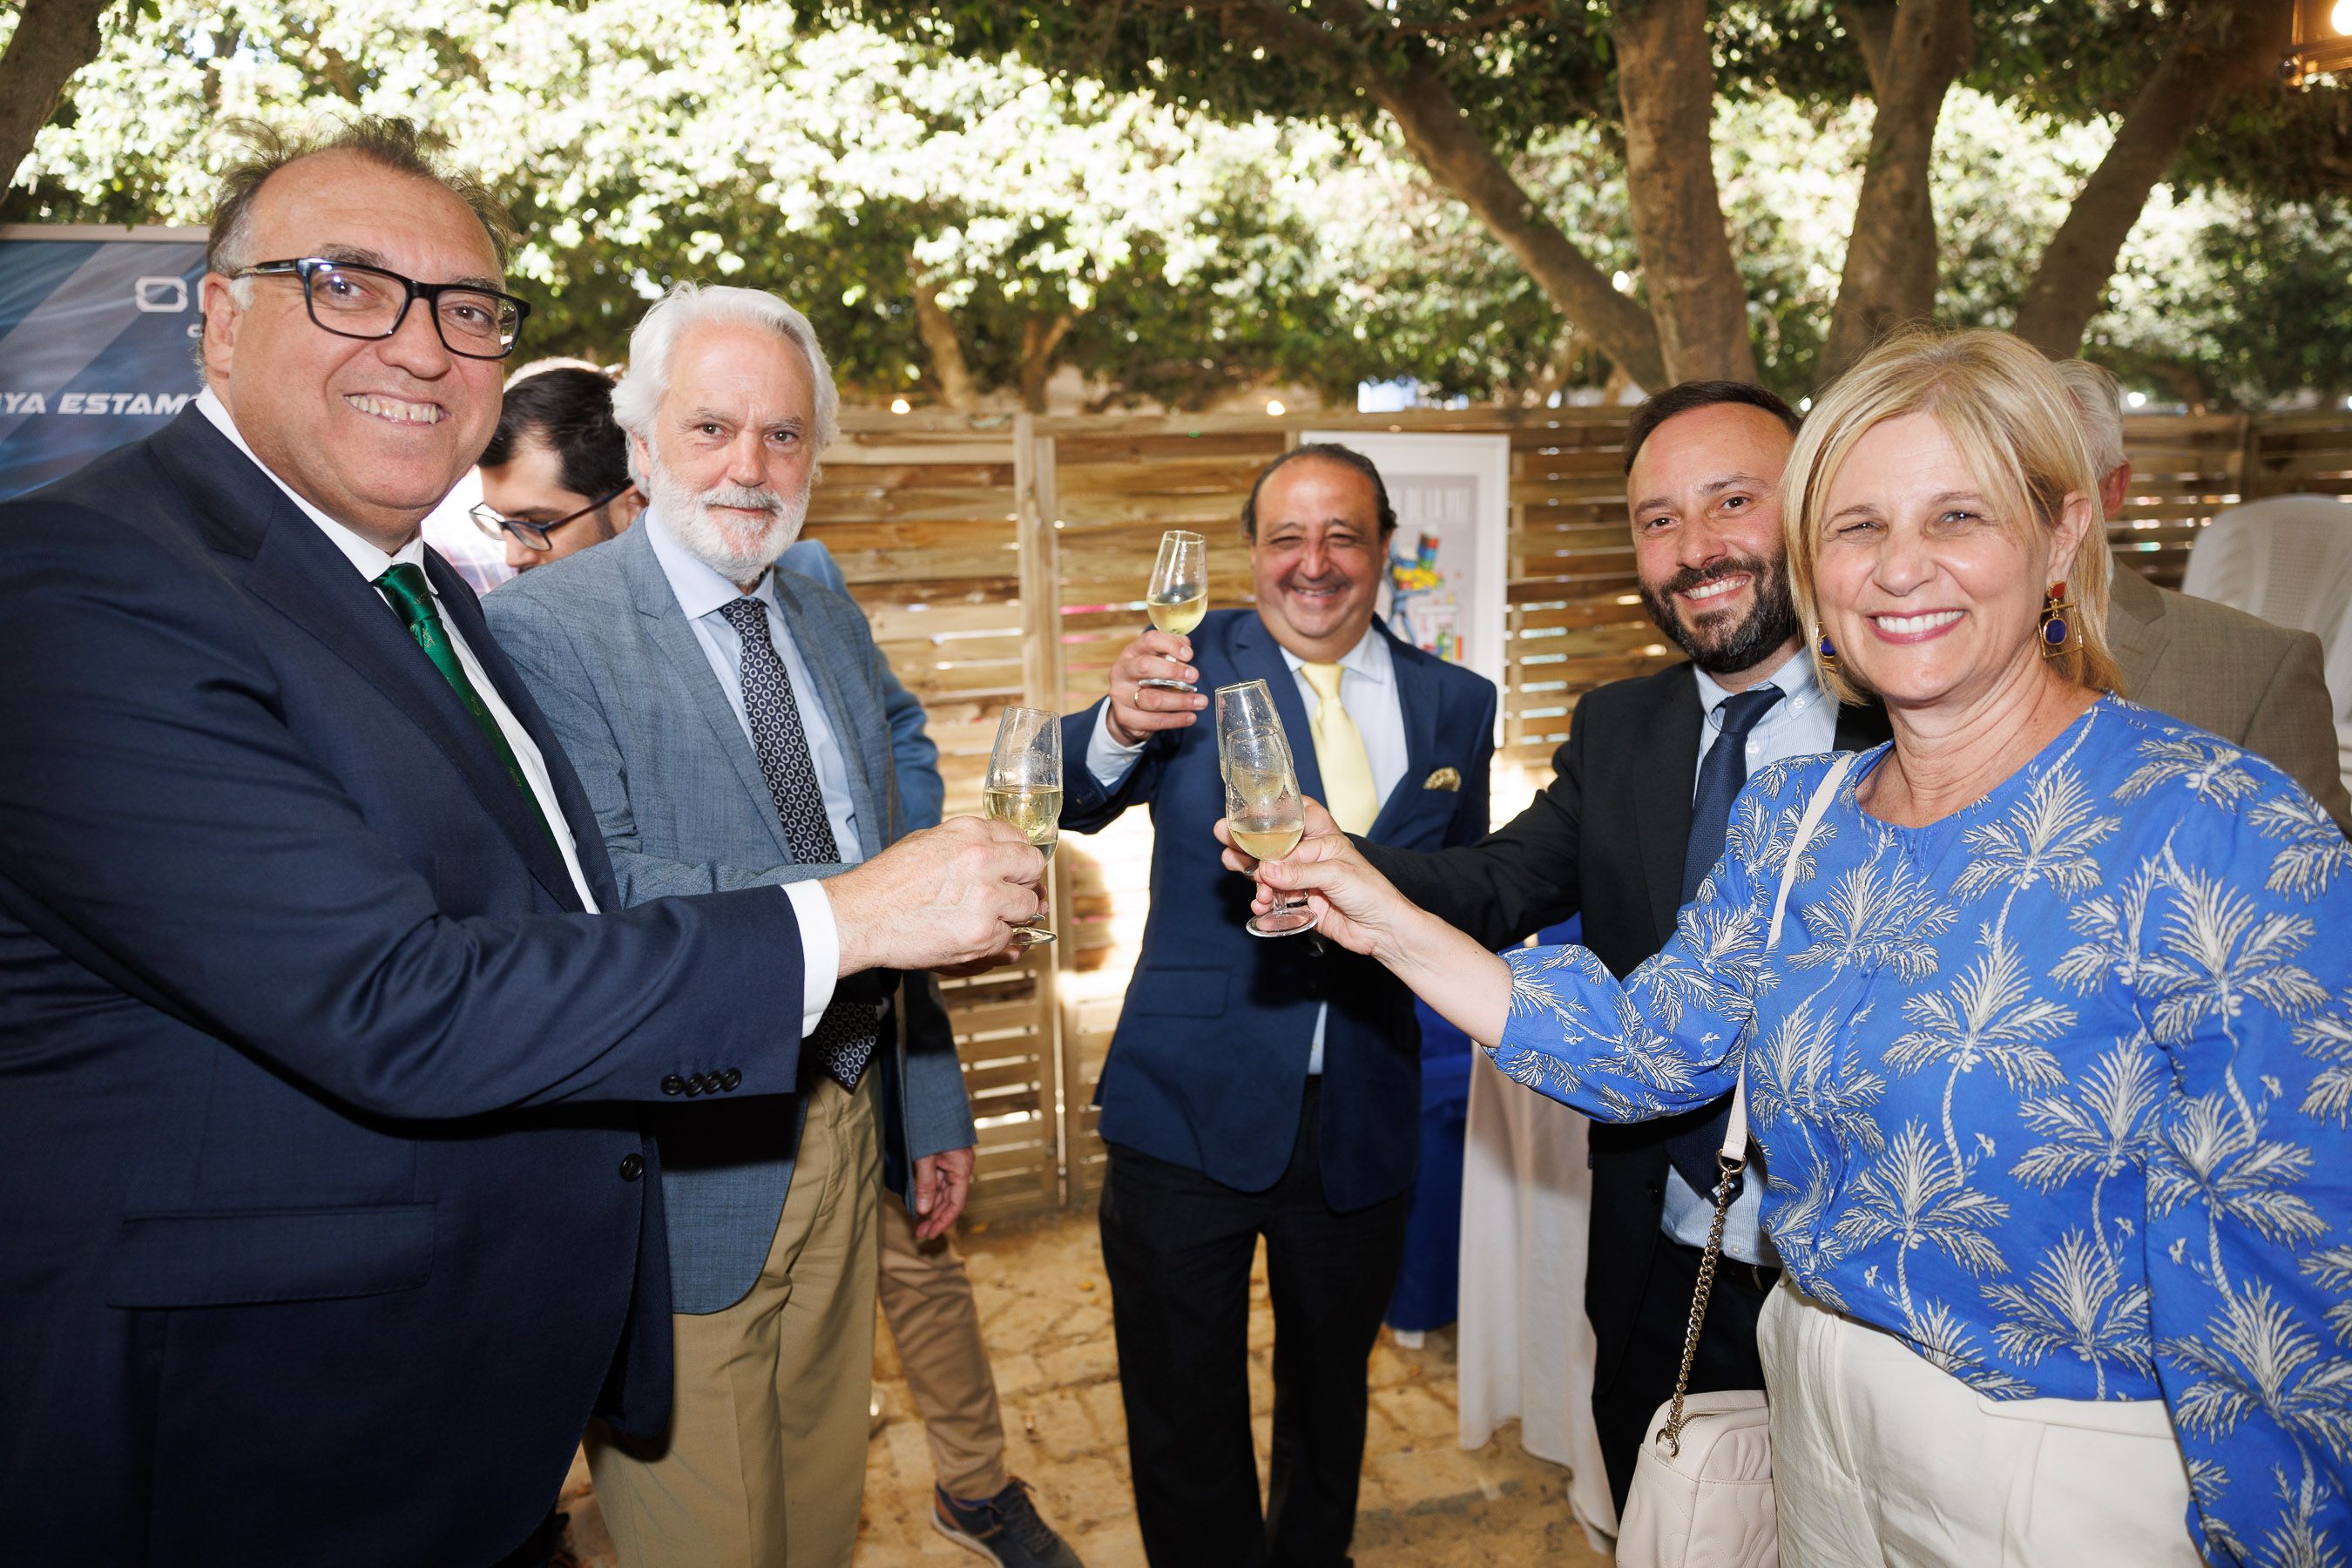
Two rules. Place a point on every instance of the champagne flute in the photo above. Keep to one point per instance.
(1263, 814)
(1023, 787)
(1179, 594)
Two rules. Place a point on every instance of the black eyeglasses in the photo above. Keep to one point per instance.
(492, 521)
(354, 300)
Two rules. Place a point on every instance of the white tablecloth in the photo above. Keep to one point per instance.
(1526, 1347)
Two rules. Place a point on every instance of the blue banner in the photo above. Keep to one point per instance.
(98, 343)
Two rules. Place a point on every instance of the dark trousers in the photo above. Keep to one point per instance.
(1645, 1377)
(1177, 1247)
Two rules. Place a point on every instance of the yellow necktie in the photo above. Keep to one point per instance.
(1347, 790)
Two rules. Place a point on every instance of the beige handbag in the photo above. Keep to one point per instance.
(1702, 1492)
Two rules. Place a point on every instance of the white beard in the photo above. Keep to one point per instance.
(726, 548)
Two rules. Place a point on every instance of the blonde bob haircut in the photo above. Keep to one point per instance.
(2015, 425)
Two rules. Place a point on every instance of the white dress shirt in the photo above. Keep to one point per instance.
(701, 590)
(820, 938)
(1368, 690)
(1802, 722)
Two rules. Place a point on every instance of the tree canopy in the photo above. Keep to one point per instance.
(1471, 86)
(1183, 201)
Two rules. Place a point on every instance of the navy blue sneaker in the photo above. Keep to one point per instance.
(1003, 1529)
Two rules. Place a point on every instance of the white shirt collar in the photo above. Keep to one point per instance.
(1369, 659)
(1799, 689)
(369, 561)
(700, 587)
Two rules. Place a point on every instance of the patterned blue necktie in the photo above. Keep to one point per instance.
(844, 1040)
(1721, 772)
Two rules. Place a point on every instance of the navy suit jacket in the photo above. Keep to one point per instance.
(1208, 1068)
(328, 1220)
(683, 806)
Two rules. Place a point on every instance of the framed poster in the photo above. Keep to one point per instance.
(1449, 570)
(99, 329)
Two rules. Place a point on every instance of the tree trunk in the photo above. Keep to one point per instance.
(1464, 162)
(949, 367)
(1890, 257)
(2222, 48)
(1039, 339)
(1665, 79)
(54, 39)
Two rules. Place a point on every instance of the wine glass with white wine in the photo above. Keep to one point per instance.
(1263, 814)
(1024, 788)
(1179, 594)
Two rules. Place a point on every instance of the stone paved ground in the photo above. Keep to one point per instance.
(1426, 1503)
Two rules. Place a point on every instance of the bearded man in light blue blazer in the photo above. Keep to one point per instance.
(727, 723)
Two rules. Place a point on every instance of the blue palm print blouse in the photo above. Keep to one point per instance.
(2054, 1090)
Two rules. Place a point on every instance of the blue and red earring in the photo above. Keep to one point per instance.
(1828, 653)
(2062, 633)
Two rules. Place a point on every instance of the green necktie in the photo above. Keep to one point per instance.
(411, 598)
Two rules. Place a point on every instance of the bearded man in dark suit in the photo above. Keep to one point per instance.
(1633, 818)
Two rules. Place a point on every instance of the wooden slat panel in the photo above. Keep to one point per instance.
(923, 513)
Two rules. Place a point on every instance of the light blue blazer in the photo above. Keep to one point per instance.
(680, 799)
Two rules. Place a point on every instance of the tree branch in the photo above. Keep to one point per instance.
(1890, 257)
(1039, 339)
(1464, 162)
(949, 367)
(1479, 23)
(2220, 49)
(54, 39)
(1665, 79)
(1870, 25)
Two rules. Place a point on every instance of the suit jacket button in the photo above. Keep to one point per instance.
(731, 1079)
(672, 1084)
(632, 1167)
(693, 1084)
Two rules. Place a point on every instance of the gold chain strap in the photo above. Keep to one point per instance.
(1732, 1164)
(1673, 1430)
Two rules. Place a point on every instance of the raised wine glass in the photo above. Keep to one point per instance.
(1179, 594)
(1263, 814)
(1023, 787)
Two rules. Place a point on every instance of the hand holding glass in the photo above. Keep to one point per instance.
(1179, 594)
(1263, 814)
(1023, 787)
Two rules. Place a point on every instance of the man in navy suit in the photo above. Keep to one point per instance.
(1266, 1088)
(330, 1220)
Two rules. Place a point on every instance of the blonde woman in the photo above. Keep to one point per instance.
(2051, 1064)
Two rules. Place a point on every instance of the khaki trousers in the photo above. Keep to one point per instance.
(1880, 1457)
(927, 1301)
(765, 1462)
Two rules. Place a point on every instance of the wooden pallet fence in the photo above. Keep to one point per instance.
(1004, 559)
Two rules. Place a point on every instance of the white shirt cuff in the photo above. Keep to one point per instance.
(819, 949)
(1106, 759)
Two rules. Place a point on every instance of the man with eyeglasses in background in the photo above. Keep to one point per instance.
(555, 477)
(331, 1214)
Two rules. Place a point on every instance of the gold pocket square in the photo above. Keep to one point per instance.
(1443, 778)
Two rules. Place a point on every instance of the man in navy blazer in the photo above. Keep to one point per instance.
(1265, 1088)
(321, 1080)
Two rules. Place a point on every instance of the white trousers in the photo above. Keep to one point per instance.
(1879, 1457)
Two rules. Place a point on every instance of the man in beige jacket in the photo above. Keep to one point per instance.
(2257, 684)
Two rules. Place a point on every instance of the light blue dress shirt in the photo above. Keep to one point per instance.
(701, 590)
(1804, 721)
(1368, 690)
